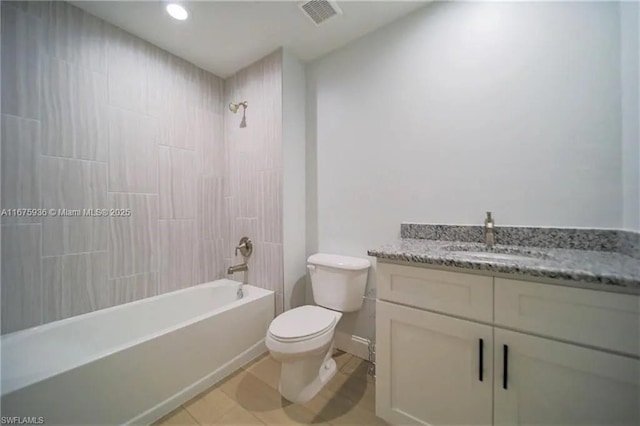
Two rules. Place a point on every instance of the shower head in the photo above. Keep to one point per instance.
(234, 107)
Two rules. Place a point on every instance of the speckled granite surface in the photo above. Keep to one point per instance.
(607, 268)
(609, 240)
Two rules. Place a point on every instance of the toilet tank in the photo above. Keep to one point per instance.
(338, 282)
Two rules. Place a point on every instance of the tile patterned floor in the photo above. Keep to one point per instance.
(250, 397)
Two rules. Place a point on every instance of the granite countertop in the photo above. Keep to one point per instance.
(585, 266)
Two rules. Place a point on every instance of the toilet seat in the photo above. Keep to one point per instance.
(303, 323)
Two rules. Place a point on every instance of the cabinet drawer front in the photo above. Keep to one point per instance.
(465, 295)
(590, 317)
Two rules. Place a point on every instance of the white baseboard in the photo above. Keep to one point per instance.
(355, 345)
(170, 404)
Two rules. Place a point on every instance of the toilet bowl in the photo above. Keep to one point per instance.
(302, 338)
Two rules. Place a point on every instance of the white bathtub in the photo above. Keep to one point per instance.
(136, 362)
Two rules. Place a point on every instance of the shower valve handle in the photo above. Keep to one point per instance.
(245, 246)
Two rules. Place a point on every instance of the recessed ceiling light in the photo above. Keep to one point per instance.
(177, 12)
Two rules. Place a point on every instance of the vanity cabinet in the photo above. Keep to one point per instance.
(543, 355)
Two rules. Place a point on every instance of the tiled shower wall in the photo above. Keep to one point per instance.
(93, 117)
(254, 161)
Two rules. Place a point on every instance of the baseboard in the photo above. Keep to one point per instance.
(170, 404)
(355, 345)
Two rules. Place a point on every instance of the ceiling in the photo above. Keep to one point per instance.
(225, 36)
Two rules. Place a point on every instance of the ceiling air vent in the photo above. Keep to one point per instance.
(320, 10)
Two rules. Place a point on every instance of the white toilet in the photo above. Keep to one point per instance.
(302, 338)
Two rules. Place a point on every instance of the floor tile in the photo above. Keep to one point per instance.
(267, 370)
(210, 407)
(177, 417)
(337, 409)
(256, 360)
(239, 416)
(265, 402)
(230, 384)
(359, 390)
(342, 358)
(358, 368)
(250, 396)
(354, 416)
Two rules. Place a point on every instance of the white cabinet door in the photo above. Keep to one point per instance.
(428, 368)
(553, 383)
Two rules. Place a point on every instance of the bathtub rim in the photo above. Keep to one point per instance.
(4, 390)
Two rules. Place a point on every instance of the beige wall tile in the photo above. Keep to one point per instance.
(20, 166)
(177, 265)
(270, 206)
(21, 277)
(208, 134)
(127, 289)
(71, 283)
(133, 241)
(210, 260)
(133, 152)
(127, 58)
(72, 185)
(74, 119)
(178, 183)
(72, 35)
(22, 40)
(211, 207)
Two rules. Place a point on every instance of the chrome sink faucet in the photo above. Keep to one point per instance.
(489, 238)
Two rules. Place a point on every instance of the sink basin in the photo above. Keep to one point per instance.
(482, 252)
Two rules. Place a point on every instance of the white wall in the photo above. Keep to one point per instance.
(630, 47)
(293, 195)
(462, 108)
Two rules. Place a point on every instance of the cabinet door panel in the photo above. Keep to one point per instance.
(560, 384)
(428, 368)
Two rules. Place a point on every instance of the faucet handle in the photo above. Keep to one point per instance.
(245, 246)
(240, 247)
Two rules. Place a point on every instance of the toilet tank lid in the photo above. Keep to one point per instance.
(338, 262)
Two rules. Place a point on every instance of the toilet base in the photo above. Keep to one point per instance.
(292, 386)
